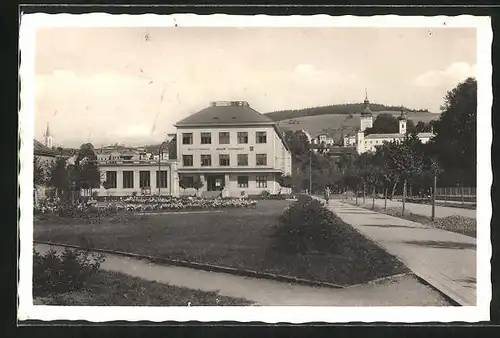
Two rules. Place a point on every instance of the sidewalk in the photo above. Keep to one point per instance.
(400, 291)
(445, 260)
(420, 209)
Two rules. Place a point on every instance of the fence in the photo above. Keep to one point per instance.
(461, 194)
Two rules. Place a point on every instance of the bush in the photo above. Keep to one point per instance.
(306, 226)
(459, 224)
(55, 273)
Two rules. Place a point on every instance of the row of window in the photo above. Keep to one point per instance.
(224, 137)
(144, 179)
(261, 181)
(224, 161)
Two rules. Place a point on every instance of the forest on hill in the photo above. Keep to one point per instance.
(349, 108)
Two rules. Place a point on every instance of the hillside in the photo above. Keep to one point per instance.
(342, 109)
(341, 124)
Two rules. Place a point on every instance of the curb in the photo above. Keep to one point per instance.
(205, 267)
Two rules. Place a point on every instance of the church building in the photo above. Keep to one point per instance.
(371, 141)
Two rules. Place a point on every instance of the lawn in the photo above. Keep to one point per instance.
(111, 288)
(238, 238)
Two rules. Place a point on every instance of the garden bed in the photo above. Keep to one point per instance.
(143, 204)
(237, 238)
(115, 289)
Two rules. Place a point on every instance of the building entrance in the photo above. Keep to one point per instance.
(214, 182)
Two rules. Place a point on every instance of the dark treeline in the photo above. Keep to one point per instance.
(348, 108)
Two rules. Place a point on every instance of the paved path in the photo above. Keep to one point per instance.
(444, 259)
(421, 209)
(400, 291)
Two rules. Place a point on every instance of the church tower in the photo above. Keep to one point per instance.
(47, 137)
(366, 115)
(402, 122)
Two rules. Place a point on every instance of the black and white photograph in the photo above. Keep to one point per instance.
(292, 169)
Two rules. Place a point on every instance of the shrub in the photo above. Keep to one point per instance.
(55, 273)
(306, 226)
(459, 224)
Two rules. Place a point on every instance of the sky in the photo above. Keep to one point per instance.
(130, 85)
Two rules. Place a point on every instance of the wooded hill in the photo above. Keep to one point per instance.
(349, 108)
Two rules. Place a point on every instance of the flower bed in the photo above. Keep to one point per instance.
(140, 204)
(177, 204)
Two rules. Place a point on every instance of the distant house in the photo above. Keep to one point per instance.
(349, 140)
(325, 139)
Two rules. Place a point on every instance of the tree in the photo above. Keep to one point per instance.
(59, 176)
(384, 123)
(424, 127)
(455, 140)
(197, 184)
(86, 169)
(403, 161)
(183, 182)
(106, 185)
(172, 148)
(39, 172)
(410, 127)
(285, 181)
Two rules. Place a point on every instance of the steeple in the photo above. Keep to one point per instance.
(402, 122)
(47, 137)
(366, 111)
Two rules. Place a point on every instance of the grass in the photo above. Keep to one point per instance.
(112, 288)
(237, 238)
(458, 224)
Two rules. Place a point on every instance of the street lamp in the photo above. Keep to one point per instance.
(310, 171)
(160, 148)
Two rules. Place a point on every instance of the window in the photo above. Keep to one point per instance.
(187, 160)
(261, 137)
(206, 138)
(242, 137)
(187, 138)
(242, 181)
(128, 179)
(224, 160)
(161, 179)
(242, 159)
(261, 181)
(144, 179)
(111, 179)
(224, 137)
(261, 159)
(206, 160)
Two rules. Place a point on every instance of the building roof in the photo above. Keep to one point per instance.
(226, 113)
(384, 136)
(41, 150)
(425, 134)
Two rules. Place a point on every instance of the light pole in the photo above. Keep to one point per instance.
(158, 179)
(310, 171)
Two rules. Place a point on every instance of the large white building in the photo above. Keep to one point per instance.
(371, 141)
(229, 145)
(129, 171)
